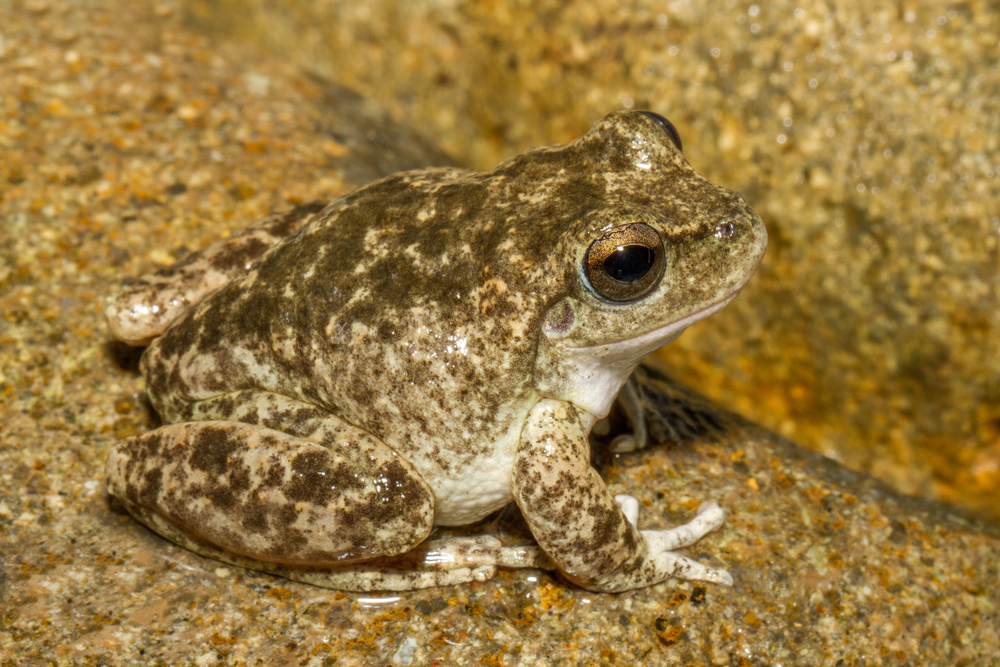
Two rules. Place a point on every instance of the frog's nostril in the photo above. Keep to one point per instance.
(725, 229)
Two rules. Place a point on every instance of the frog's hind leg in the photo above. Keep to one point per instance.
(271, 496)
(287, 488)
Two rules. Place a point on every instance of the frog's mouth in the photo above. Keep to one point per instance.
(637, 347)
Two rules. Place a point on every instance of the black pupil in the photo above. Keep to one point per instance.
(629, 263)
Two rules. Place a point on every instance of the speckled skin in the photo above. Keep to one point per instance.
(419, 353)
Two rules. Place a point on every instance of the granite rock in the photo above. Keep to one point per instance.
(127, 141)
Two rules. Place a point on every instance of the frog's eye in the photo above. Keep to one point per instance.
(625, 263)
(667, 127)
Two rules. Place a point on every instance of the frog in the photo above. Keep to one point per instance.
(342, 384)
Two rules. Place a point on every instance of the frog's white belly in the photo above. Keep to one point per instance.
(481, 488)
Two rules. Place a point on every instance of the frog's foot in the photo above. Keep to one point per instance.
(709, 517)
(663, 542)
(625, 443)
(434, 563)
(475, 552)
(441, 562)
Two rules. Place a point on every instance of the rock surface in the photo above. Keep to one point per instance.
(127, 141)
(865, 134)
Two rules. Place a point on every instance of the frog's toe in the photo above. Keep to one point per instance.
(709, 518)
(365, 578)
(630, 508)
(682, 567)
(624, 443)
(724, 577)
(708, 506)
(714, 575)
(484, 573)
(474, 553)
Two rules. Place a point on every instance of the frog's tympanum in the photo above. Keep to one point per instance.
(337, 381)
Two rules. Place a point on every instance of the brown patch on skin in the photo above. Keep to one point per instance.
(300, 421)
(291, 541)
(290, 222)
(398, 487)
(214, 453)
(314, 481)
(256, 516)
(273, 477)
(152, 483)
(251, 417)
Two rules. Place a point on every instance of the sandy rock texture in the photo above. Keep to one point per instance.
(126, 141)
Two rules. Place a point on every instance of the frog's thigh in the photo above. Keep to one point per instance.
(271, 496)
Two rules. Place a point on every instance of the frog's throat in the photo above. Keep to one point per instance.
(601, 370)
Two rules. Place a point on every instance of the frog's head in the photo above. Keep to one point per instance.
(654, 248)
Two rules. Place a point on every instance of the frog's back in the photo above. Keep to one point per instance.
(383, 311)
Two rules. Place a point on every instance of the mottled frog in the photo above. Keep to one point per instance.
(337, 381)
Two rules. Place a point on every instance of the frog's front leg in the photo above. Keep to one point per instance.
(580, 525)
